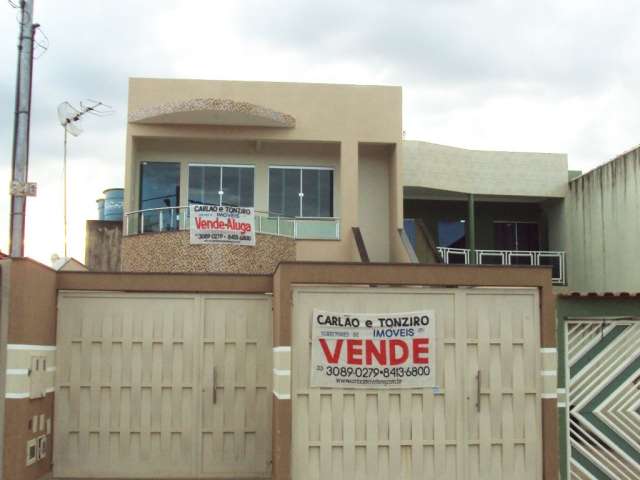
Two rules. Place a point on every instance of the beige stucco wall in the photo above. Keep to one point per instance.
(374, 201)
(604, 227)
(325, 112)
(455, 169)
(342, 115)
(172, 252)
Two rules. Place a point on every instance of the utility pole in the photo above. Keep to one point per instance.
(20, 189)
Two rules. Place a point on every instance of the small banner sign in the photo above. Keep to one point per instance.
(222, 224)
(387, 350)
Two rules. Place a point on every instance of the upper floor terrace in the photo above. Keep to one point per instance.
(483, 207)
(315, 161)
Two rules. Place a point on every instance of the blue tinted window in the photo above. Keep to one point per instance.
(451, 233)
(160, 185)
(304, 192)
(221, 185)
(284, 192)
(159, 188)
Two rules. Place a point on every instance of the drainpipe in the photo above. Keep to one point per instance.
(471, 233)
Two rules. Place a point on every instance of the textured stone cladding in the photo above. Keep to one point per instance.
(172, 252)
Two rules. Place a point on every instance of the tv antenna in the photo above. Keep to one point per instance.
(71, 120)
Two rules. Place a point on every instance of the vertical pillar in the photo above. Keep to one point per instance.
(398, 252)
(471, 229)
(281, 404)
(348, 199)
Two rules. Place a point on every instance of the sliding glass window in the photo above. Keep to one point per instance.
(300, 192)
(159, 188)
(221, 185)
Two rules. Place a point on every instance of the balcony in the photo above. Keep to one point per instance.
(464, 256)
(171, 219)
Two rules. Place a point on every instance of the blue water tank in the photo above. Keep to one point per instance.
(113, 199)
(100, 203)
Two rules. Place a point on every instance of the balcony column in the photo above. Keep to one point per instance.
(471, 229)
(348, 198)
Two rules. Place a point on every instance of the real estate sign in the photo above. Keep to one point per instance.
(390, 350)
(222, 224)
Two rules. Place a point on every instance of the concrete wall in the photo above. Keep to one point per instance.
(604, 227)
(29, 318)
(555, 214)
(484, 172)
(103, 242)
(172, 252)
(374, 202)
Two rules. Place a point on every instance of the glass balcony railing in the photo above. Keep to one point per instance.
(556, 260)
(169, 219)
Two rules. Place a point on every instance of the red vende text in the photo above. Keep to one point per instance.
(384, 352)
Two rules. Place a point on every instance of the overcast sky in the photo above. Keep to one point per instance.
(552, 76)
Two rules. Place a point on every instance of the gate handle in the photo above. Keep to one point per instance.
(478, 391)
(213, 380)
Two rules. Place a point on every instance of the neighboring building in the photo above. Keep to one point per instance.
(487, 207)
(324, 166)
(603, 227)
(67, 264)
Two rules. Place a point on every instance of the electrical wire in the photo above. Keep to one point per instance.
(13, 4)
(44, 47)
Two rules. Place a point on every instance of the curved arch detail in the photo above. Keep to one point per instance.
(213, 111)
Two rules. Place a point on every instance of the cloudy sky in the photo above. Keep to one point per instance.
(552, 76)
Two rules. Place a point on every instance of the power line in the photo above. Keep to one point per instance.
(44, 46)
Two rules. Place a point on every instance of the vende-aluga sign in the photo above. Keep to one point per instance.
(222, 224)
(389, 350)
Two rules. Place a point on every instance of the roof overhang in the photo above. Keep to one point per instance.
(212, 111)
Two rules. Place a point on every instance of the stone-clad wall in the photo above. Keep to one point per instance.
(172, 252)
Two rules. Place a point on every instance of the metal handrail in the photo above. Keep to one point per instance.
(506, 257)
(260, 215)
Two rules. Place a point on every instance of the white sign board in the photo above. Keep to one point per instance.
(222, 224)
(387, 350)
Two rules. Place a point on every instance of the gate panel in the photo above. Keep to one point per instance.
(603, 391)
(379, 434)
(427, 433)
(504, 434)
(125, 386)
(236, 381)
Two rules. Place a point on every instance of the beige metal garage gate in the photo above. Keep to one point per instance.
(162, 385)
(470, 427)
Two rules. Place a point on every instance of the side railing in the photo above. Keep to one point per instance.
(168, 219)
(556, 260)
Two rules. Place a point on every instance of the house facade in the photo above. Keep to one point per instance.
(197, 360)
(331, 179)
(315, 161)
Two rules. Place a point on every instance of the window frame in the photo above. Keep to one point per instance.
(300, 192)
(221, 166)
(516, 222)
(141, 178)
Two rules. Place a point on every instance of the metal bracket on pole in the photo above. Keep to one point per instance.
(23, 189)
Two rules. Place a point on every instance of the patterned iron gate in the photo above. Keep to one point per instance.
(603, 395)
